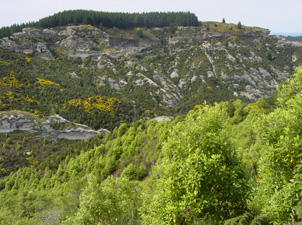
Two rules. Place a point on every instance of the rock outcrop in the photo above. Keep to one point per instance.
(10, 123)
(29, 41)
(54, 127)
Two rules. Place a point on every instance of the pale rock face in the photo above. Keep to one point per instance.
(28, 47)
(193, 79)
(123, 83)
(169, 100)
(73, 74)
(156, 76)
(264, 72)
(139, 82)
(113, 84)
(45, 34)
(11, 123)
(78, 43)
(44, 53)
(232, 58)
(207, 36)
(182, 83)
(210, 74)
(130, 74)
(103, 81)
(252, 93)
(202, 78)
(45, 129)
(294, 58)
(174, 74)
(162, 118)
(143, 79)
(224, 76)
(7, 43)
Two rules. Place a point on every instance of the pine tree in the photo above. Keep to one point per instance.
(239, 25)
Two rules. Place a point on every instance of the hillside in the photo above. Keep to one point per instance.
(204, 122)
(103, 76)
(231, 163)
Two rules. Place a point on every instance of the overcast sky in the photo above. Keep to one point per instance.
(280, 16)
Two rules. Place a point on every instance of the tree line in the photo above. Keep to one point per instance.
(108, 19)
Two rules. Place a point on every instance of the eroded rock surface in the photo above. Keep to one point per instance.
(54, 127)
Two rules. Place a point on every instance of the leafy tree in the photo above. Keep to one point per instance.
(8, 141)
(279, 190)
(269, 56)
(199, 176)
(114, 201)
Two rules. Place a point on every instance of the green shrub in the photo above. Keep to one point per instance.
(8, 141)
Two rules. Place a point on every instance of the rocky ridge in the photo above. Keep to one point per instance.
(244, 63)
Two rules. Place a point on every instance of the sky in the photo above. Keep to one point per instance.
(279, 16)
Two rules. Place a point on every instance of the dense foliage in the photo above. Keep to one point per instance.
(230, 163)
(108, 19)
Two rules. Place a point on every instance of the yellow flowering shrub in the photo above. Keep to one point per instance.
(263, 110)
(9, 95)
(30, 100)
(27, 59)
(59, 50)
(101, 104)
(31, 160)
(149, 112)
(43, 82)
(4, 63)
(198, 107)
(9, 81)
(138, 28)
(254, 107)
(233, 38)
(74, 102)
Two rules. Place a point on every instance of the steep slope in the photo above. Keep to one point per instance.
(231, 163)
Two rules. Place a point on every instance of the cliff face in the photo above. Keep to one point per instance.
(48, 129)
(83, 41)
